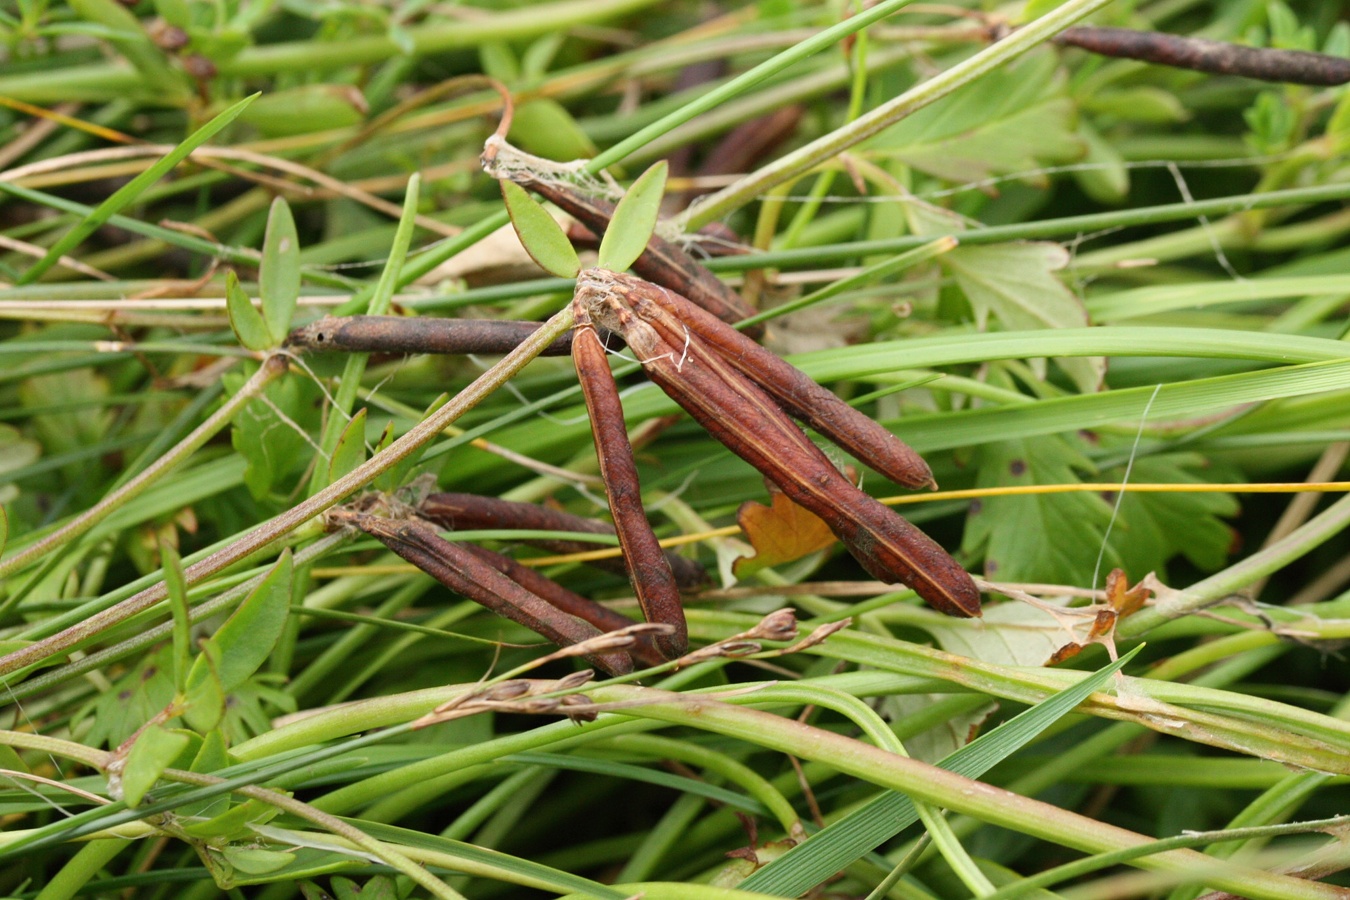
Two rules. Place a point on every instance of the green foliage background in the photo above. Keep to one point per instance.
(1150, 284)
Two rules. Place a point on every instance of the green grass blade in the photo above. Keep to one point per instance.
(839, 844)
(130, 191)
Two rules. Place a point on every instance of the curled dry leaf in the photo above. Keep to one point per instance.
(780, 533)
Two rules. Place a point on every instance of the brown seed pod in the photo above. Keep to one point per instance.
(399, 334)
(650, 573)
(473, 511)
(748, 422)
(792, 388)
(465, 573)
(1214, 57)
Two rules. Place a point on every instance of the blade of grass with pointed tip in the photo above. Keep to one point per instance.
(542, 237)
(130, 191)
(634, 220)
(245, 320)
(279, 273)
(839, 844)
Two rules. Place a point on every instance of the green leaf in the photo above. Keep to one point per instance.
(176, 584)
(248, 635)
(270, 433)
(154, 751)
(203, 696)
(1052, 538)
(307, 109)
(245, 320)
(132, 700)
(130, 191)
(234, 823)
(10, 759)
(213, 753)
(1016, 282)
(541, 236)
(840, 843)
(175, 12)
(16, 451)
(1146, 534)
(634, 220)
(255, 860)
(498, 61)
(1138, 104)
(1013, 121)
(1104, 176)
(279, 272)
(545, 128)
(350, 451)
(74, 428)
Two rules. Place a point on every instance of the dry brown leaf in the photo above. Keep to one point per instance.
(780, 533)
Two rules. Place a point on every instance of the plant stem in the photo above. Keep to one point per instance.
(818, 151)
(930, 784)
(270, 370)
(1224, 584)
(275, 528)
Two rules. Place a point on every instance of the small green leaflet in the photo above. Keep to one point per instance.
(155, 750)
(243, 643)
(540, 235)
(840, 843)
(245, 320)
(634, 220)
(279, 272)
(350, 451)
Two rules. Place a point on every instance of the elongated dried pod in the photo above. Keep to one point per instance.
(570, 602)
(399, 334)
(648, 570)
(662, 262)
(792, 388)
(751, 425)
(474, 511)
(463, 572)
(1214, 57)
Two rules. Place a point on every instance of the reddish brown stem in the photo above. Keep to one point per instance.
(398, 334)
(747, 421)
(465, 573)
(652, 579)
(1214, 57)
(474, 511)
(792, 388)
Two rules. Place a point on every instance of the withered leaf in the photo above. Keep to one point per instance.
(780, 533)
